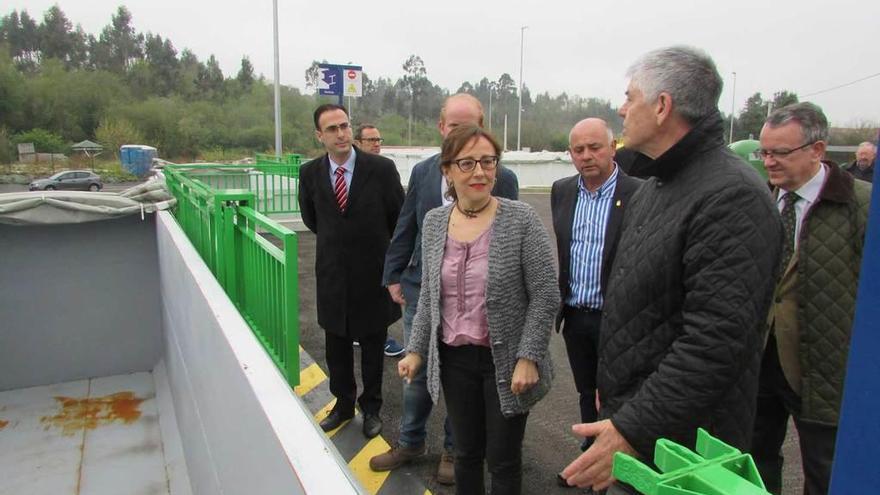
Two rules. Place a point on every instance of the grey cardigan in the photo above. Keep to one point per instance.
(522, 298)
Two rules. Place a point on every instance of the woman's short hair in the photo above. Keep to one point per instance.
(457, 140)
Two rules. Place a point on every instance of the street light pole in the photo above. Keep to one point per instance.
(277, 83)
(522, 34)
(732, 107)
(491, 87)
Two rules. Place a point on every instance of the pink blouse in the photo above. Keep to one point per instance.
(463, 291)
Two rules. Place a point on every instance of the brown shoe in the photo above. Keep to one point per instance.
(396, 457)
(446, 469)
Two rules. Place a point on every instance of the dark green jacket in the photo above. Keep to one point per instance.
(829, 259)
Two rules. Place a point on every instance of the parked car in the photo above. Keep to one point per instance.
(82, 180)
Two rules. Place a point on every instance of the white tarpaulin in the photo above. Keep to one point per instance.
(60, 207)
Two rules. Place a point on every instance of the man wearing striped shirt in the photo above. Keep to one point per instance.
(587, 212)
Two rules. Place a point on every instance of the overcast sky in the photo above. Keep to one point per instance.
(581, 47)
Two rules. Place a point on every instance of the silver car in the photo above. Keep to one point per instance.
(80, 180)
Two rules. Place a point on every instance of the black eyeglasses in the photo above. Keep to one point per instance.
(372, 140)
(468, 164)
(782, 153)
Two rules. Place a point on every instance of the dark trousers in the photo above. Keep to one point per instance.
(581, 334)
(481, 431)
(340, 363)
(776, 402)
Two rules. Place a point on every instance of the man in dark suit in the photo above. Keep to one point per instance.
(587, 211)
(403, 277)
(351, 200)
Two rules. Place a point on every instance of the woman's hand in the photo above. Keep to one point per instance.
(408, 366)
(525, 376)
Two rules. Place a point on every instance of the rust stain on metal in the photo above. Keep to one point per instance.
(78, 414)
(3, 424)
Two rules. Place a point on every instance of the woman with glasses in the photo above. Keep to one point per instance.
(488, 301)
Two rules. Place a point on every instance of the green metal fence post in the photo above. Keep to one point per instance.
(224, 221)
(291, 308)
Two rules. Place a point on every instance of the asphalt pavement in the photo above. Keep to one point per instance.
(548, 446)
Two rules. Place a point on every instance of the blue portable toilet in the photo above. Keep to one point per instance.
(137, 159)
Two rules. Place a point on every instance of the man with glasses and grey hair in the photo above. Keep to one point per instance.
(824, 213)
(863, 166)
(683, 323)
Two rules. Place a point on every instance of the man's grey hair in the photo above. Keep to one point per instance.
(868, 144)
(688, 74)
(813, 124)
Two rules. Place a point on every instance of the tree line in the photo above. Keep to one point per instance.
(60, 85)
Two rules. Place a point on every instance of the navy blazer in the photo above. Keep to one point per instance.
(563, 199)
(403, 261)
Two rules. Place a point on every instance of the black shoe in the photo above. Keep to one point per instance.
(334, 419)
(372, 425)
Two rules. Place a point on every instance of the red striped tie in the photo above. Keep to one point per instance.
(340, 190)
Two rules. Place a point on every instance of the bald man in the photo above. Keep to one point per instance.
(587, 211)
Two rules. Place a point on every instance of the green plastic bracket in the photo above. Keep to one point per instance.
(714, 469)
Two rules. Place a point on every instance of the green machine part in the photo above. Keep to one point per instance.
(714, 469)
(747, 149)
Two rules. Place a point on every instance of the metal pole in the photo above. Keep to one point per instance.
(505, 132)
(522, 34)
(732, 107)
(277, 83)
(490, 107)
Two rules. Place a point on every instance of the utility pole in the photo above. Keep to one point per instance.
(505, 132)
(522, 34)
(277, 84)
(491, 86)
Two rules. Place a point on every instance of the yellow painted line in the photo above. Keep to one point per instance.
(309, 378)
(360, 465)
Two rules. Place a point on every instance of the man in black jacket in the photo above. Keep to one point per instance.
(351, 200)
(587, 211)
(682, 331)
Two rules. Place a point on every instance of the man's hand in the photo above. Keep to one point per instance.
(525, 376)
(593, 467)
(408, 366)
(396, 293)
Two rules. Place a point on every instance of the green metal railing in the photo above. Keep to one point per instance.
(259, 277)
(288, 159)
(273, 184)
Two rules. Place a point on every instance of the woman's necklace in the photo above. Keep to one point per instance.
(472, 212)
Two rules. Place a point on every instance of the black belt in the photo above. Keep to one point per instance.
(583, 309)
